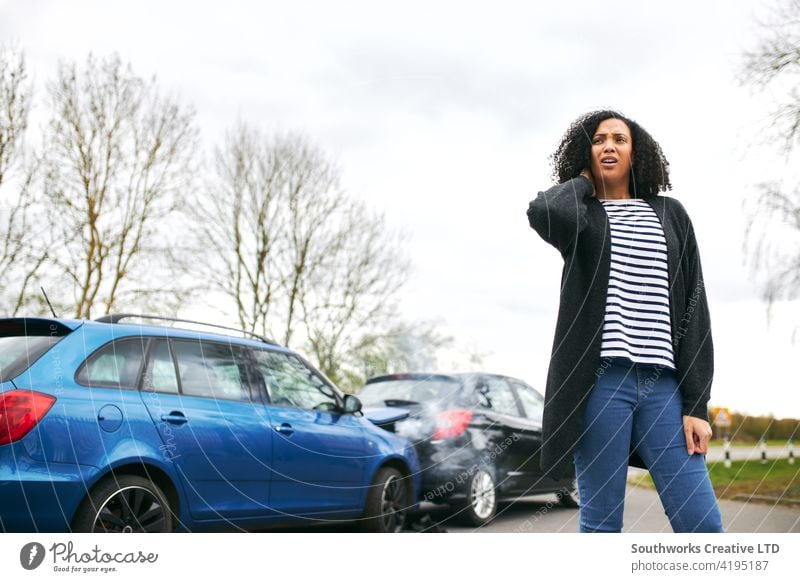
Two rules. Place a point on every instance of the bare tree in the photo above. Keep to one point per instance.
(312, 227)
(773, 229)
(772, 236)
(404, 347)
(775, 63)
(15, 96)
(300, 260)
(117, 155)
(355, 289)
(21, 252)
(264, 219)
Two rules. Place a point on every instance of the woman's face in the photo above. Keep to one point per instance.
(612, 152)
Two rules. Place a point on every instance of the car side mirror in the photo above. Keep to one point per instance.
(351, 403)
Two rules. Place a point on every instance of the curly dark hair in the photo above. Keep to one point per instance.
(650, 171)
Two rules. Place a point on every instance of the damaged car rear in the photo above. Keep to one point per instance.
(478, 437)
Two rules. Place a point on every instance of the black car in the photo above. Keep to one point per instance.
(478, 437)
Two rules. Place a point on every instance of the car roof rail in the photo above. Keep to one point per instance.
(117, 317)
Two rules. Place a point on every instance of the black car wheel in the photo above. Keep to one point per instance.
(124, 504)
(569, 496)
(387, 503)
(481, 502)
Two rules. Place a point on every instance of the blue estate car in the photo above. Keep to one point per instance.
(111, 426)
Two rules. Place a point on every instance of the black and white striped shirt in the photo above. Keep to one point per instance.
(637, 317)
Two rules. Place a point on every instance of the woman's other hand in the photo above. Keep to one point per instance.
(698, 433)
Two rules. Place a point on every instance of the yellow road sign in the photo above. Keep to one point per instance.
(721, 416)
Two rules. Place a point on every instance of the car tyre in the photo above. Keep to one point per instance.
(386, 509)
(569, 496)
(480, 505)
(124, 504)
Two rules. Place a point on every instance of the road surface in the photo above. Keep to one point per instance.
(643, 514)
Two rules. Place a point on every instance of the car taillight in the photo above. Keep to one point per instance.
(20, 411)
(452, 423)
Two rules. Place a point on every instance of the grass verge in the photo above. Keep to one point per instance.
(776, 481)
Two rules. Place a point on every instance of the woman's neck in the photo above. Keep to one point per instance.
(613, 191)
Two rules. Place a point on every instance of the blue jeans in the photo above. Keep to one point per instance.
(640, 404)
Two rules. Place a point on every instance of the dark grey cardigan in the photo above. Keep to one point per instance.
(568, 217)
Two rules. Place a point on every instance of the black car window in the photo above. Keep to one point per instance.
(116, 365)
(160, 373)
(290, 382)
(23, 341)
(532, 401)
(408, 390)
(495, 394)
(212, 370)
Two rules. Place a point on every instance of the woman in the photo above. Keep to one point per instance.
(632, 360)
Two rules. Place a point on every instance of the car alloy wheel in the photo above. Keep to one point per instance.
(127, 504)
(393, 514)
(387, 503)
(480, 504)
(482, 495)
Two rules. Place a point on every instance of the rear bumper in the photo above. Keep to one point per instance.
(446, 472)
(37, 496)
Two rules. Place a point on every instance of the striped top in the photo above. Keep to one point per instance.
(637, 317)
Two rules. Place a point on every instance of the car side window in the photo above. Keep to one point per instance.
(115, 365)
(532, 401)
(160, 373)
(290, 382)
(211, 370)
(495, 394)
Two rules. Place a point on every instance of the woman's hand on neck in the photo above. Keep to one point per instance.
(605, 190)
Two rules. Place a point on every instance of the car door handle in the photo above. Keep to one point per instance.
(284, 428)
(174, 417)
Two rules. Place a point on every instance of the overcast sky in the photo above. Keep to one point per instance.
(443, 114)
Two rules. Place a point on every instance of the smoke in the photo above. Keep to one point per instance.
(448, 455)
(421, 423)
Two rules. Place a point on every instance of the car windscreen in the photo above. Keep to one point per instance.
(22, 342)
(408, 390)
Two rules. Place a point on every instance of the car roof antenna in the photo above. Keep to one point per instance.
(50, 305)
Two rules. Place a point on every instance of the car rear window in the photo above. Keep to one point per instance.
(23, 341)
(408, 389)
